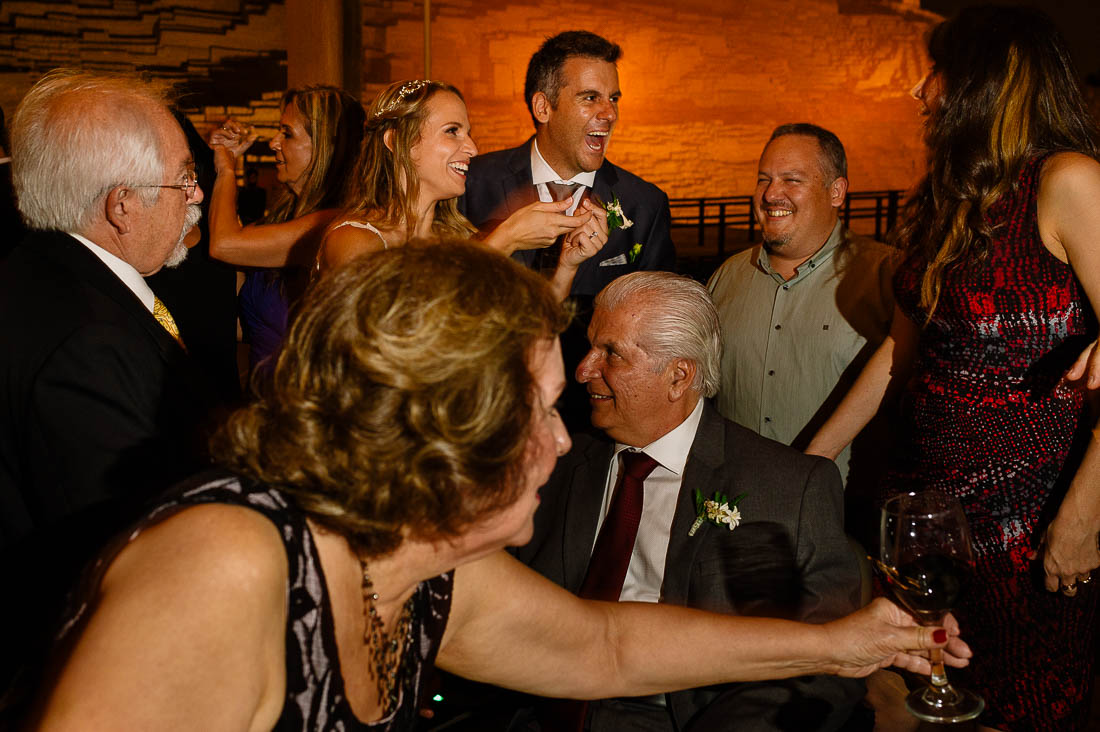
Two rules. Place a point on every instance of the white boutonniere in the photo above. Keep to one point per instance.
(616, 219)
(718, 509)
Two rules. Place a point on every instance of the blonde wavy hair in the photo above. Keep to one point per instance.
(402, 399)
(385, 183)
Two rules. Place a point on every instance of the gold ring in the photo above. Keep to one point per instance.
(1086, 580)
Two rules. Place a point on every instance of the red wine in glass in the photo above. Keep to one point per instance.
(928, 562)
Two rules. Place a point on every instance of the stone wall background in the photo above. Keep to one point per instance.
(704, 81)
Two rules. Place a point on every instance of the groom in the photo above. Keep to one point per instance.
(572, 92)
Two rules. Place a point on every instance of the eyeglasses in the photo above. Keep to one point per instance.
(188, 186)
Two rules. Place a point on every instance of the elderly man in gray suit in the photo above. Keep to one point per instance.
(676, 504)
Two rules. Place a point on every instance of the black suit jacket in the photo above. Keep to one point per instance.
(499, 184)
(99, 410)
(789, 557)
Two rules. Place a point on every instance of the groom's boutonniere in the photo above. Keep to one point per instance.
(616, 219)
(718, 509)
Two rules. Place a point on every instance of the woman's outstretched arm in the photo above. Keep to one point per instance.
(514, 628)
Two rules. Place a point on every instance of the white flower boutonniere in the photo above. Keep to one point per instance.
(616, 219)
(718, 509)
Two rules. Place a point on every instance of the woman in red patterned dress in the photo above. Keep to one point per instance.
(996, 299)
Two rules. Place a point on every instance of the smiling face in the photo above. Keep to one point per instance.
(547, 441)
(293, 148)
(632, 394)
(442, 154)
(573, 134)
(795, 201)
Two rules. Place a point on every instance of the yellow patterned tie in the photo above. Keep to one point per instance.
(160, 312)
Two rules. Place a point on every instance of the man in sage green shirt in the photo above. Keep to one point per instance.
(803, 311)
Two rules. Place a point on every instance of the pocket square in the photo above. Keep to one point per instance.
(621, 259)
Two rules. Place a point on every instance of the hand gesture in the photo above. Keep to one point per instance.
(1086, 369)
(1069, 552)
(535, 226)
(229, 142)
(587, 237)
(882, 634)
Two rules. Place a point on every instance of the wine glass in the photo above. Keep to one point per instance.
(928, 561)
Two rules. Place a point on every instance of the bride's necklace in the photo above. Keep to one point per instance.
(384, 648)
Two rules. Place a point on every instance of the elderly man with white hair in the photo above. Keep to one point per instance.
(99, 405)
(675, 504)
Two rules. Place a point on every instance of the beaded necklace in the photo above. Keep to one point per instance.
(385, 666)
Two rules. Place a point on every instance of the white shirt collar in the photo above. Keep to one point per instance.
(541, 172)
(122, 269)
(671, 449)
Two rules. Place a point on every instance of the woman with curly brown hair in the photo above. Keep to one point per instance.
(997, 297)
(409, 425)
(410, 173)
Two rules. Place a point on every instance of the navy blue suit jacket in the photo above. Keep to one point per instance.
(499, 184)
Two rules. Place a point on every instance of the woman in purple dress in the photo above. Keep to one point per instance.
(995, 301)
(319, 136)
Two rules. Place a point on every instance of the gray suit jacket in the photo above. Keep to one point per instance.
(499, 184)
(788, 558)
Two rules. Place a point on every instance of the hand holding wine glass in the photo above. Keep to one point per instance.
(927, 559)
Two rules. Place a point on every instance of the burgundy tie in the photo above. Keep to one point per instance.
(606, 570)
(611, 555)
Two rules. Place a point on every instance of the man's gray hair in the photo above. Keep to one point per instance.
(75, 136)
(681, 322)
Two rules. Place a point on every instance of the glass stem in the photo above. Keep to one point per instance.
(939, 675)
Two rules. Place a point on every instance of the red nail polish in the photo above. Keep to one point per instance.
(940, 636)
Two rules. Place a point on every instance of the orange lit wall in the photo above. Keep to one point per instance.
(704, 83)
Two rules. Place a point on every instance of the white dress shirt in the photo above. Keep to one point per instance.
(646, 571)
(122, 269)
(542, 173)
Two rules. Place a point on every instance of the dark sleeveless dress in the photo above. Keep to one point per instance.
(987, 421)
(314, 685)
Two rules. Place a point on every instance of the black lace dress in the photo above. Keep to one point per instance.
(315, 698)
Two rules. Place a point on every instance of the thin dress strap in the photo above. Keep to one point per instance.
(349, 222)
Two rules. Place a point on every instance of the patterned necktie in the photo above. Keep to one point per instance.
(611, 555)
(160, 312)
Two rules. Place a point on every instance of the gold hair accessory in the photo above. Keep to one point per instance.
(409, 87)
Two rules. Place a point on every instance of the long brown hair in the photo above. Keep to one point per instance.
(334, 121)
(1009, 93)
(385, 183)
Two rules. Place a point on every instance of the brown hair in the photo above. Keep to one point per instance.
(334, 121)
(402, 398)
(1009, 93)
(385, 184)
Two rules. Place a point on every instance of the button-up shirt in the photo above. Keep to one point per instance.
(542, 173)
(646, 571)
(792, 348)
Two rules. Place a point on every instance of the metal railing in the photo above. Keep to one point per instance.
(726, 212)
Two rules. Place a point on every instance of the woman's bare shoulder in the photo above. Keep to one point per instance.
(347, 239)
(187, 628)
